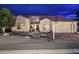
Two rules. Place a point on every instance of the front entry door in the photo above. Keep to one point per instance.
(34, 27)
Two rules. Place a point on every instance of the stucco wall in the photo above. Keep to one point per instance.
(45, 25)
(24, 24)
(65, 27)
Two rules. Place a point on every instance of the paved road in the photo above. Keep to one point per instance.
(44, 51)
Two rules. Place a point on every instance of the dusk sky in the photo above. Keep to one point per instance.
(66, 10)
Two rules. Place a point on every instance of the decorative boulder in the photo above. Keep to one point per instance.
(27, 36)
(6, 34)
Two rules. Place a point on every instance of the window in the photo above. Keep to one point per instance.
(18, 26)
(37, 28)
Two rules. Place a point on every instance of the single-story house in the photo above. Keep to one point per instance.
(45, 24)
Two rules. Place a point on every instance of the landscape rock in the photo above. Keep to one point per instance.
(6, 34)
(27, 36)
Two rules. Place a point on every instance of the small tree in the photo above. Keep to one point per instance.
(7, 19)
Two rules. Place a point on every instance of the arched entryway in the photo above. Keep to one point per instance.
(34, 27)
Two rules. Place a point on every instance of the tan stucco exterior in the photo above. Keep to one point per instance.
(44, 25)
(65, 27)
(24, 24)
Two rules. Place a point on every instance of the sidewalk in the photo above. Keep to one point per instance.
(49, 51)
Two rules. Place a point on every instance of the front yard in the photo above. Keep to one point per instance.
(16, 42)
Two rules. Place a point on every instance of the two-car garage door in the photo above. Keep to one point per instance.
(65, 27)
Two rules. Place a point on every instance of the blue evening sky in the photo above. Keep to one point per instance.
(66, 10)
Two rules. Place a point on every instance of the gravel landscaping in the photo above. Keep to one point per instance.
(18, 42)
